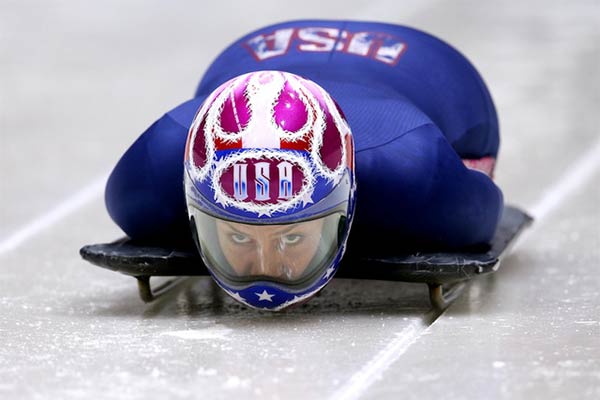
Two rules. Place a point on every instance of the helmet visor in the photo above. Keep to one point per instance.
(293, 254)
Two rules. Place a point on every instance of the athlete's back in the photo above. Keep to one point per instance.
(417, 109)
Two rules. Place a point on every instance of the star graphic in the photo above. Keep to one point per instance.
(221, 200)
(307, 198)
(264, 296)
(264, 212)
(236, 295)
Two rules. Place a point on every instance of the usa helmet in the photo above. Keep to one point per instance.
(270, 187)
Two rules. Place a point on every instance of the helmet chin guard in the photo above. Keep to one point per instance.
(270, 187)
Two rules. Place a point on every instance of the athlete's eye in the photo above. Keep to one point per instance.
(291, 239)
(239, 238)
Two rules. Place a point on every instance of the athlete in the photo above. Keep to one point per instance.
(307, 137)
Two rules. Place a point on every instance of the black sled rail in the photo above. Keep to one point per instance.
(445, 273)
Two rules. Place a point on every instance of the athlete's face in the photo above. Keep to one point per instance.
(278, 251)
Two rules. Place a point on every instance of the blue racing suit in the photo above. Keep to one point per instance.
(424, 125)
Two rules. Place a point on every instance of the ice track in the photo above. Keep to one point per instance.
(80, 81)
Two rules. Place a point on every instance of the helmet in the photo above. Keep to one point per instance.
(270, 187)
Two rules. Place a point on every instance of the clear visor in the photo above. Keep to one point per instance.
(292, 254)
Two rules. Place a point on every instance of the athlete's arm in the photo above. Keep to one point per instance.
(418, 189)
(144, 194)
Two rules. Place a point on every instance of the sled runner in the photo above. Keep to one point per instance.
(445, 273)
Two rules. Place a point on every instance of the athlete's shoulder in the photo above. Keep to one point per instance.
(306, 46)
(184, 113)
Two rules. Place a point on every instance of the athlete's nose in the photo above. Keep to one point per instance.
(269, 261)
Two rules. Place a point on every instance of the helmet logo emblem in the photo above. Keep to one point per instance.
(262, 140)
(262, 182)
